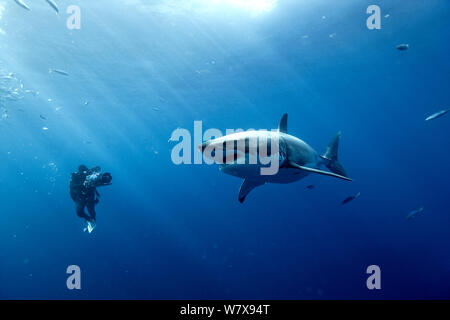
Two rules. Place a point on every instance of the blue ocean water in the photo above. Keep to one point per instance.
(138, 70)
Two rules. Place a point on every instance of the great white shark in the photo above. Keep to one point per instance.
(295, 157)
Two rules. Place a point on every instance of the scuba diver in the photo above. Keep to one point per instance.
(83, 191)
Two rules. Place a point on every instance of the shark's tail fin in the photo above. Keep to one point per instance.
(330, 157)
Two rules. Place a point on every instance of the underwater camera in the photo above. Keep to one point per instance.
(98, 179)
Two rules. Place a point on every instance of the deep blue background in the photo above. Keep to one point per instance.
(178, 232)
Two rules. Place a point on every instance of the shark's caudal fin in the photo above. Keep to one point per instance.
(330, 157)
(246, 187)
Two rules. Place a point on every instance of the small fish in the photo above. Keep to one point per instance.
(387, 16)
(53, 5)
(86, 103)
(156, 109)
(414, 213)
(34, 93)
(23, 4)
(332, 35)
(310, 187)
(42, 117)
(351, 198)
(44, 128)
(437, 115)
(202, 71)
(403, 47)
(61, 72)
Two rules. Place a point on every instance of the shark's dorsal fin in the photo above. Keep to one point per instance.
(283, 126)
(246, 187)
(326, 173)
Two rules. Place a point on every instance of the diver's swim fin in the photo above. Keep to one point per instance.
(326, 173)
(90, 226)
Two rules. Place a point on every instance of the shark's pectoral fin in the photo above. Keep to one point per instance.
(246, 187)
(326, 173)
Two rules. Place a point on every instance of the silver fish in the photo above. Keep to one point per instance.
(437, 115)
(61, 72)
(23, 4)
(414, 213)
(403, 47)
(53, 5)
(351, 198)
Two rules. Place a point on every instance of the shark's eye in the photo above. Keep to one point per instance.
(213, 152)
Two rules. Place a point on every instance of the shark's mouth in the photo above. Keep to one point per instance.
(245, 152)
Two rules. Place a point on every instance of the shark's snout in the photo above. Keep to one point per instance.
(203, 146)
(209, 147)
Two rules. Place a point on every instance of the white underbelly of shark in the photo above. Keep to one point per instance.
(252, 172)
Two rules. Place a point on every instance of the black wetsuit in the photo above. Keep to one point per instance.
(83, 196)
